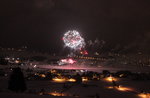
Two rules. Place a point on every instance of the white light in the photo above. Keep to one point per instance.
(34, 66)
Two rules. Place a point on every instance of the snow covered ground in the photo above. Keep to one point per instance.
(87, 90)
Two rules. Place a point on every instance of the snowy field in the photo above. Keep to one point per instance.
(76, 90)
(86, 90)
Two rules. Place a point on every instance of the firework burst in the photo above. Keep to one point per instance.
(73, 40)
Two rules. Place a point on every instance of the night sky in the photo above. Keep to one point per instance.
(40, 24)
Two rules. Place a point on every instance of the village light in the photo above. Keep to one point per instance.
(144, 95)
(110, 79)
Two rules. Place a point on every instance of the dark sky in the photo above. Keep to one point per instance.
(41, 23)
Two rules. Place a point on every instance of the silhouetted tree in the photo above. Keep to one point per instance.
(3, 61)
(49, 76)
(16, 82)
(78, 78)
(115, 84)
(106, 73)
(96, 95)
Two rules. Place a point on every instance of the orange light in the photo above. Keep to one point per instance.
(71, 80)
(144, 95)
(17, 61)
(84, 79)
(59, 79)
(110, 79)
(57, 94)
(120, 88)
(110, 87)
(53, 71)
(42, 75)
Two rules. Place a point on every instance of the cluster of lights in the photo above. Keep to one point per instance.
(90, 58)
(73, 40)
(13, 60)
(40, 75)
(62, 79)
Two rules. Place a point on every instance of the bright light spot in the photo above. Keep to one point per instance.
(59, 80)
(42, 75)
(110, 87)
(17, 61)
(84, 79)
(121, 88)
(71, 61)
(57, 94)
(34, 66)
(71, 80)
(121, 75)
(144, 95)
(110, 79)
(66, 61)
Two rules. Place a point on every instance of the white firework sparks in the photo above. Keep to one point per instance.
(73, 39)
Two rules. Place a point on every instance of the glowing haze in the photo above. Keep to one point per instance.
(73, 40)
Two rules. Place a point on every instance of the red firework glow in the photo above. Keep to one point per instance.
(84, 52)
